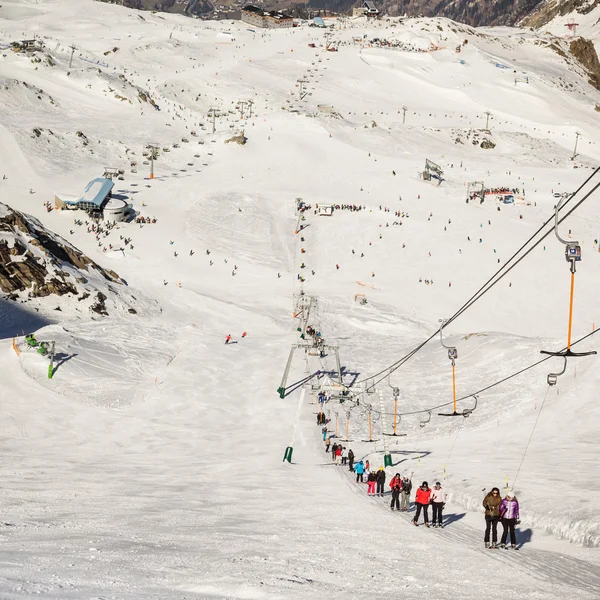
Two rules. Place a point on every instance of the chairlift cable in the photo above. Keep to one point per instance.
(496, 383)
(489, 284)
(531, 436)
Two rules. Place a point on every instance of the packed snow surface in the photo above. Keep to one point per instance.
(150, 465)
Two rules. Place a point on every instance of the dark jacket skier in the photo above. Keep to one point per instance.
(380, 481)
(491, 503)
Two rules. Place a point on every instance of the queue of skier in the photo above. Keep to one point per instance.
(497, 509)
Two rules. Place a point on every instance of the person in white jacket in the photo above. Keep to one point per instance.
(438, 501)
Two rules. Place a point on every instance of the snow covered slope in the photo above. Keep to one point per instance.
(150, 465)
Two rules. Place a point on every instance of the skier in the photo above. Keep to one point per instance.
(491, 503)
(371, 482)
(396, 486)
(327, 444)
(333, 451)
(380, 480)
(422, 498)
(438, 501)
(509, 516)
(359, 469)
(350, 460)
(228, 338)
(344, 455)
(405, 494)
(338, 455)
(244, 335)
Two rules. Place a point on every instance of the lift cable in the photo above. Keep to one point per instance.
(492, 385)
(489, 284)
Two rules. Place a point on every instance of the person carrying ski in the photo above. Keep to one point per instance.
(380, 475)
(396, 486)
(371, 482)
(491, 503)
(422, 498)
(350, 460)
(405, 494)
(509, 516)
(438, 501)
(359, 469)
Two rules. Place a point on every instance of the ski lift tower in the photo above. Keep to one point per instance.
(572, 27)
(433, 171)
(476, 189)
(153, 155)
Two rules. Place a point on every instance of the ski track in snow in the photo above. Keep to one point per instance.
(149, 467)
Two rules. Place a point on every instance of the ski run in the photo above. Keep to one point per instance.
(285, 296)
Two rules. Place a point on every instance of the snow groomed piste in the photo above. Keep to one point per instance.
(149, 466)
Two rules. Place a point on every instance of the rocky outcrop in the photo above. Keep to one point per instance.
(549, 9)
(36, 263)
(585, 53)
(481, 12)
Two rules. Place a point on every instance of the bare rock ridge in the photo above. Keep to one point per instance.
(548, 9)
(482, 12)
(36, 263)
(585, 52)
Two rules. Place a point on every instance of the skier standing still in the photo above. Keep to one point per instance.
(491, 503)
(405, 494)
(380, 481)
(509, 516)
(396, 485)
(438, 501)
(422, 498)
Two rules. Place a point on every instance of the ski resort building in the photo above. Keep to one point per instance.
(96, 200)
(253, 15)
(367, 9)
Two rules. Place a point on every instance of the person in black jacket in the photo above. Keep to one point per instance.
(351, 460)
(380, 481)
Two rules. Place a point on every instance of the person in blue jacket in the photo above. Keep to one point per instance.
(359, 469)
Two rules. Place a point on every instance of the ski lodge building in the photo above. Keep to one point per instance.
(96, 201)
(367, 9)
(253, 15)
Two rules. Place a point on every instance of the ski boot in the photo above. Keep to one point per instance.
(487, 545)
(513, 547)
(502, 546)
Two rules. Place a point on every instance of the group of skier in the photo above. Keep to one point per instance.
(500, 510)
(497, 509)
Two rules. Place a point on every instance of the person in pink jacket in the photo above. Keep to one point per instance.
(509, 517)
(438, 501)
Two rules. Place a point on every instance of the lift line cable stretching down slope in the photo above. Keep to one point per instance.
(492, 385)
(489, 283)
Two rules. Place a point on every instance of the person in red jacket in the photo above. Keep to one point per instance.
(422, 503)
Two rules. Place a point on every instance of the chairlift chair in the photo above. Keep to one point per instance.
(452, 355)
(572, 256)
(424, 422)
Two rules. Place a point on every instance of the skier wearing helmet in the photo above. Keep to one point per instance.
(380, 481)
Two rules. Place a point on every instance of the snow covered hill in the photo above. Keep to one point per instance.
(150, 465)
